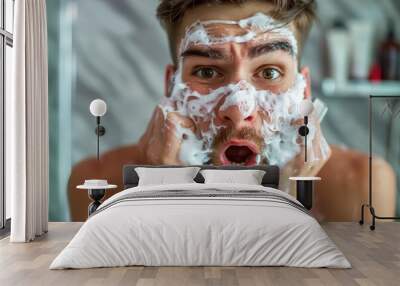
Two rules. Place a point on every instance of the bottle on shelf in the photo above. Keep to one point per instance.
(390, 56)
(338, 41)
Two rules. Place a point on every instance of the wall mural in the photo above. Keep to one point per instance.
(230, 92)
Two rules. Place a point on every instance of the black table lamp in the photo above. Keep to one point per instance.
(98, 108)
(306, 107)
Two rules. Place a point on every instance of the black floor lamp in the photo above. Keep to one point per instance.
(370, 204)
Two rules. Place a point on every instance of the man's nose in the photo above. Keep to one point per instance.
(233, 117)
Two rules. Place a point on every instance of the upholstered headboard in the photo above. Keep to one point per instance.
(270, 179)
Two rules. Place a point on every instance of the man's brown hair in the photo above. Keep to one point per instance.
(301, 12)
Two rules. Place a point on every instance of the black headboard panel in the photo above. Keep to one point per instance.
(270, 179)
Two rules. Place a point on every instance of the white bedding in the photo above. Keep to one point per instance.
(267, 229)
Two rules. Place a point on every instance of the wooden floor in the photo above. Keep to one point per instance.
(375, 257)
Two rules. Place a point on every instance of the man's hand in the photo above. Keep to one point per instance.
(162, 140)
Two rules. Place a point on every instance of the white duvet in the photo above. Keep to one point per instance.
(206, 230)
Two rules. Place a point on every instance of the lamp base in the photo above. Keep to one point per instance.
(96, 195)
(305, 193)
(303, 130)
(100, 130)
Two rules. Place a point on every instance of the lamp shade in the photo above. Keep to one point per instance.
(306, 107)
(98, 107)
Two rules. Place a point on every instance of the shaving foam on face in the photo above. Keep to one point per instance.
(192, 151)
(240, 97)
(278, 132)
(259, 24)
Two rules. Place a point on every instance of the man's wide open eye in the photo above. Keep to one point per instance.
(206, 73)
(270, 74)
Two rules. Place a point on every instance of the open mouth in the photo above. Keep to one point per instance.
(239, 153)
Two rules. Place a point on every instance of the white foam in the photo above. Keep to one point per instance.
(242, 96)
(254, 26)
(259, 21)
(278, 133)
(191, 151)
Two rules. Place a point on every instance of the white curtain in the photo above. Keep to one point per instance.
(27, 124)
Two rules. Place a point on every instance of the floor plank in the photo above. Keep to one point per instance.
(375, 257)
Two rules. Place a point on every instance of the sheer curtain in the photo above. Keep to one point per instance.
(27, 124)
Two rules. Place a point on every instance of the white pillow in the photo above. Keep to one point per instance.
(163, 176)
(248, 177)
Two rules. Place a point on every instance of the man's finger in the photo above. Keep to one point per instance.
(179, 124)
(177, 128)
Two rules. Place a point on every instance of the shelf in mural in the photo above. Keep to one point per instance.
(353, 89)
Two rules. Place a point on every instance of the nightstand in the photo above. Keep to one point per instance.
(96, 191)
(304, 190)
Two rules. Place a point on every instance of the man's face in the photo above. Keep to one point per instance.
(237, 80)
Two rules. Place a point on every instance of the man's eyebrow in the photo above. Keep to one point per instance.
(270, 47)
(207, 53)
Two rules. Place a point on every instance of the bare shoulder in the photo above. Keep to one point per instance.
(345, 185)
(109, 160)
(354, 163)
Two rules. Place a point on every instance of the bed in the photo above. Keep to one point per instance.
(201, 224)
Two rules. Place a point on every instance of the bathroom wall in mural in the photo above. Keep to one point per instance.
(232, 92)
